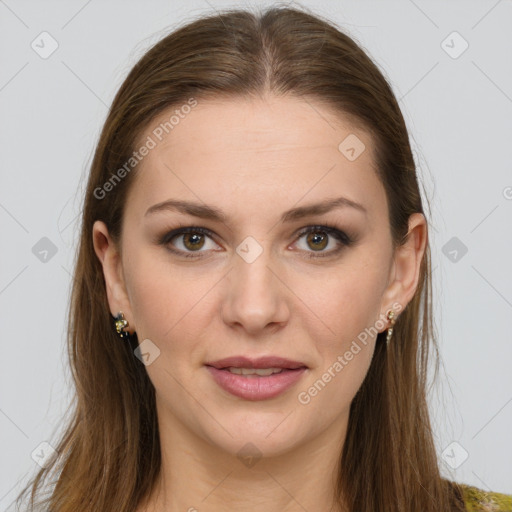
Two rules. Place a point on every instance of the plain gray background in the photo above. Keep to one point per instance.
(457, 103)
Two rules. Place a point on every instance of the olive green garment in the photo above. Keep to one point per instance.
(477, 500)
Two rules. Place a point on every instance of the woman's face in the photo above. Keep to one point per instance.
(248, 281)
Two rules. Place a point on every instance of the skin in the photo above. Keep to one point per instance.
(254, 160)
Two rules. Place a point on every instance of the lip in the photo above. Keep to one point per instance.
(260, 362)
(256, 387)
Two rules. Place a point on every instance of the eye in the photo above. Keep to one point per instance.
(191, 239)
(318, 238)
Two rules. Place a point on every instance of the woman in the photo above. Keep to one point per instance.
(251, 316)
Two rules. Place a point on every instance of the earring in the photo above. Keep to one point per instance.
(391, 318)
(121, 323)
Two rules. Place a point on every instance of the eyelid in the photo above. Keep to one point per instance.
(183, 230)
(337, 233)
(344, 240)
(340, 235)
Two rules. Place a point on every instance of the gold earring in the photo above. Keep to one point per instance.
(121, 323)
(391, 318)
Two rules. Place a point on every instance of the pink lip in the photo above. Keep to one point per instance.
(254, 387)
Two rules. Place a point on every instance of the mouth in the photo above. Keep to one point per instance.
(255, 372)
(260, 363)
(256, 379)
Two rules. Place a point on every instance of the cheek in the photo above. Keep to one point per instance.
(345, 302)
(348, 307)
(170, 307)
(330, 390)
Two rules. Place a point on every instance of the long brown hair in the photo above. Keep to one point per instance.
(109, 454)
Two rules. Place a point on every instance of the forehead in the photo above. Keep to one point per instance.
(274, 148)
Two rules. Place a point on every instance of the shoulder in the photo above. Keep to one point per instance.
(477, 500)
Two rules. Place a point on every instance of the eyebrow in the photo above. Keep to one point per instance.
(210, 212)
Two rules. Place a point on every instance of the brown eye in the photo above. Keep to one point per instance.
(193, 241)
(190, 242)
(318, 240)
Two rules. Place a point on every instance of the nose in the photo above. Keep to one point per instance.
(255, 297)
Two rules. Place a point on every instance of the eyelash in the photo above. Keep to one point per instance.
(341, 236)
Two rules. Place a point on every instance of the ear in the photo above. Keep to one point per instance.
(405, 270)
(110, 259)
